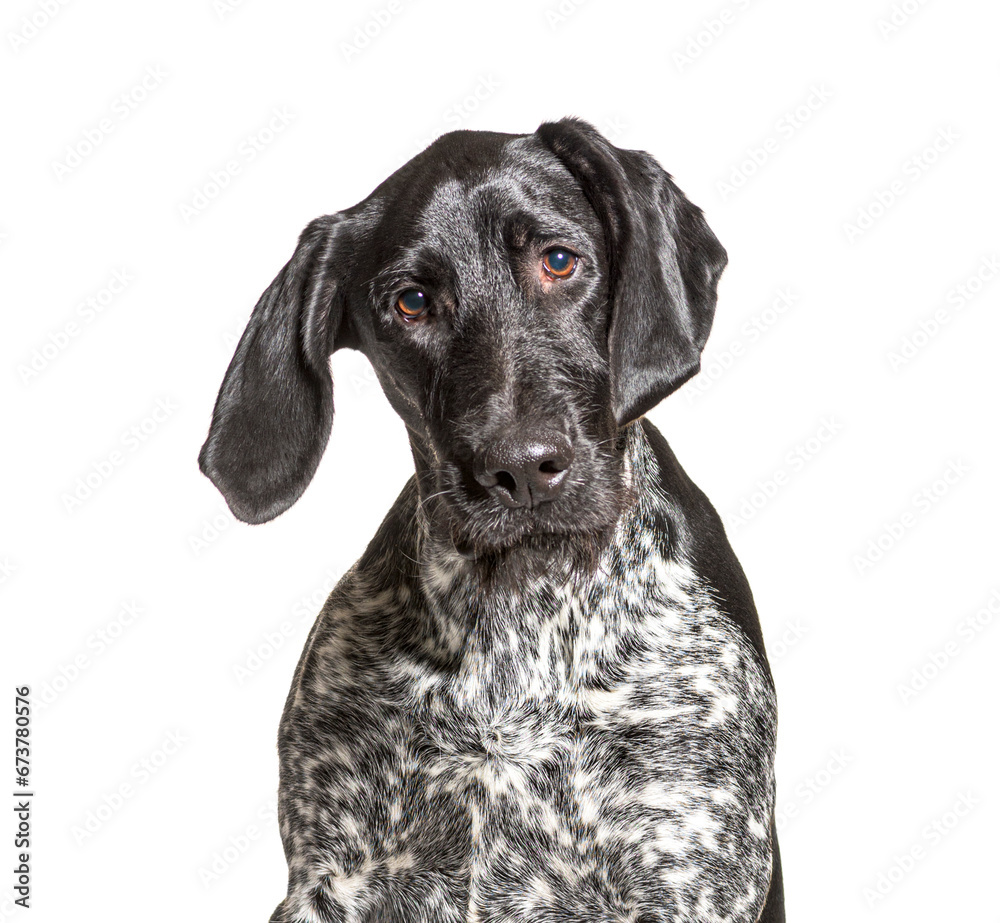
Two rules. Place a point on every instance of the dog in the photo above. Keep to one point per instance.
(541, 694)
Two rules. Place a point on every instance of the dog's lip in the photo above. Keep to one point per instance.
(473, 542)
(509, 528)
(476, 532)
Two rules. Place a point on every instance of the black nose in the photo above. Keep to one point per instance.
(525, 470)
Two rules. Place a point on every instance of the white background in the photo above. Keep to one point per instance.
(790, 123)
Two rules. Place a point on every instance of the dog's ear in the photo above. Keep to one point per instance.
(665, 264)
(274, 411)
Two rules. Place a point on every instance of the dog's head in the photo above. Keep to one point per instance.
(520, 297)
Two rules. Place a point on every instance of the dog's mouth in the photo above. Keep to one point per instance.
(576, 525)
(523, 532)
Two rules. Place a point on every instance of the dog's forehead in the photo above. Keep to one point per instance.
(468, 187)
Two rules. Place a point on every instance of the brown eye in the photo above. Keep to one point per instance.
(559, 263)
(412, 304)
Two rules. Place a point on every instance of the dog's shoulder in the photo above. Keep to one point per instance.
(699, 536)
(358, 621)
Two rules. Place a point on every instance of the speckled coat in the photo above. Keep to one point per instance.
(583, 749)
(540, 697)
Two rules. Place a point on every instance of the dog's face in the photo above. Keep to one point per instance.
(520, 298)
(483, 307)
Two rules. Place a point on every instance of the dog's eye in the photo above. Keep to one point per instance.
(559, 263)
(413, 304)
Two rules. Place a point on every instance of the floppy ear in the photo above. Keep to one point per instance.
(665, 264)
(272, 418)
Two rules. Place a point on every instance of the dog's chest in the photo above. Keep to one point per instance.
(595, 751)
(591, 743)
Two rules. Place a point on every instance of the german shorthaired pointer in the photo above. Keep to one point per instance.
(541, 696)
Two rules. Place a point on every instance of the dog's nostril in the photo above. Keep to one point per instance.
(506, 481)
(551, 466)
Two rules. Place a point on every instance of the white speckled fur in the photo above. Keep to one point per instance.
(578, 750)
